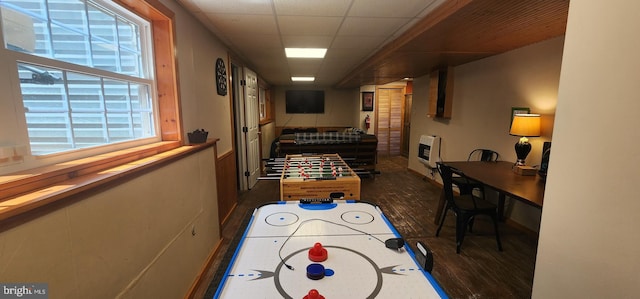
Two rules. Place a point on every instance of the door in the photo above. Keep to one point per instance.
(252, 118)
(389, 120)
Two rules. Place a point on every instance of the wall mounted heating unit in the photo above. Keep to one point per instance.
(429, 150)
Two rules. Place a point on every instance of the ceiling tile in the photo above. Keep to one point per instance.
(275, 65)
(350, 56)
(231, 24)
(334, 67)
(269, 54)
(357, 42)
(307, 41)
(265, 41)
(248, 7)
(304, 67)
(296, 25)
(371, 26)
(335, 8)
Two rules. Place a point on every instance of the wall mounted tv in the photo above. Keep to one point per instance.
(304, 101)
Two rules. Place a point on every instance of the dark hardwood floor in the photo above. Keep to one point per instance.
(479, 271)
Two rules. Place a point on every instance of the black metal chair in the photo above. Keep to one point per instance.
(466, 207)
(482, 154)
(466, 186)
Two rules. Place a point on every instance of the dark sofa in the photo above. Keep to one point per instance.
(358, 150)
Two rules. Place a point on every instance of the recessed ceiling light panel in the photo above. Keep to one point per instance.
(305, 52)
(303, 79)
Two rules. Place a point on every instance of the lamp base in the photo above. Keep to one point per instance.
(522, 150)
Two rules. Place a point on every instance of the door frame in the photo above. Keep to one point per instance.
(377, 110)
(237, 75)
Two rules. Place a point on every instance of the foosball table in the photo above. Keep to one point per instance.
(317, 176)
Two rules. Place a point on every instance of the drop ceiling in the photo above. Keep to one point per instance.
(374, 41)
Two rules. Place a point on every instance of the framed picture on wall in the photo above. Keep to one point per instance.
(367, 101)
(518, 110)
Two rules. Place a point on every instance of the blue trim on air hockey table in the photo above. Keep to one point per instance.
(426, 274)
(235, 255)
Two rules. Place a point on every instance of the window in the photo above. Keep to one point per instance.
(83, 78)
(66, 108)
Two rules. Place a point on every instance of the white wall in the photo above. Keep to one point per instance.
(484, 93)
(340, 107)
(133, 238)
(268, 134)
(589, 237)
(202, 107)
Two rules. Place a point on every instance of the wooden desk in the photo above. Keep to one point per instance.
(500, 176)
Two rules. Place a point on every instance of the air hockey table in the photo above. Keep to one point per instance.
(325, 249)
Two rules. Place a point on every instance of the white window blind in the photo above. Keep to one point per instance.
(83, 72)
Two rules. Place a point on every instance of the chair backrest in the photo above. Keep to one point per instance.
(447, 180)
(481, 154)
(446, 173)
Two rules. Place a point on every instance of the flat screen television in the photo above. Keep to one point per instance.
(304, 101)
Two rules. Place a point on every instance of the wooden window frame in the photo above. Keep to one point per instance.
(268, 103)
(27, 190)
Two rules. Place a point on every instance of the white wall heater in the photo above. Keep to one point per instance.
(429, 150)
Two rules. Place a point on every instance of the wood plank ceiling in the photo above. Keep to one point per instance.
(459, 32)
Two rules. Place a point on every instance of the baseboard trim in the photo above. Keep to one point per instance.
(202, 276)
(432, 181)
(521, 228)
(226, 217)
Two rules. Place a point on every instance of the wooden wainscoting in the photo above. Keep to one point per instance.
(227, 185)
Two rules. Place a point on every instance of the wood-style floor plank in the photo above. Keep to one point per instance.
(479, 271)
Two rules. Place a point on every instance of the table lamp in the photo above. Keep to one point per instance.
(524, 125)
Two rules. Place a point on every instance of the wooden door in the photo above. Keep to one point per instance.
(390, 110)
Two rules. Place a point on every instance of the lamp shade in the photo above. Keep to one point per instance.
(526, 125)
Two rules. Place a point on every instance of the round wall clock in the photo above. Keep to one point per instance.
(221, 77)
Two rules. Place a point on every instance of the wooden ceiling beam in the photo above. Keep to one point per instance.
(459, 32)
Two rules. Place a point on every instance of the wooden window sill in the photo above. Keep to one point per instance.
(23, 192)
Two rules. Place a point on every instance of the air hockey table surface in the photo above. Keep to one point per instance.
(282, 235)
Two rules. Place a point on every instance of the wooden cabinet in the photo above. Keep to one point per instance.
(440, 93)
